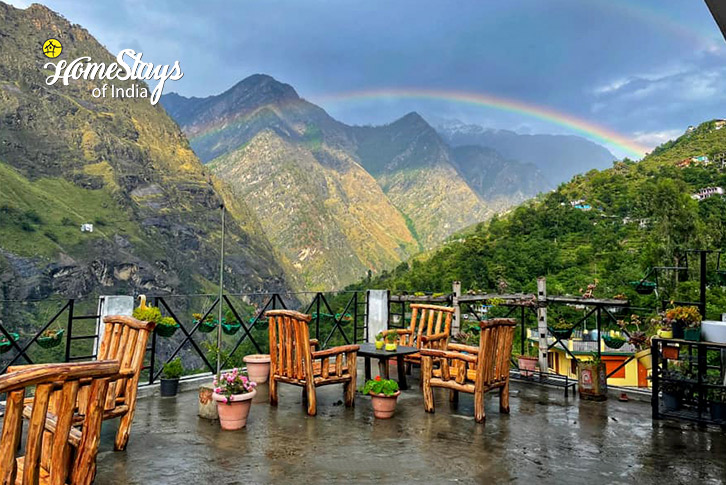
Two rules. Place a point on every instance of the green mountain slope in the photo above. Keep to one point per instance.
(642, 215)
(67, 158)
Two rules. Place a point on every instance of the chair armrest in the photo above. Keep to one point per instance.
(343, 349)
(463, 348)
(446, 354)
(314, 343)
(434, 338)
(399, 331)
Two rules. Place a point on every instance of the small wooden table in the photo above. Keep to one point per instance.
(368, 351)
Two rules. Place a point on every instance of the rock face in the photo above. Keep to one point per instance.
(337, 201)
(67, 158)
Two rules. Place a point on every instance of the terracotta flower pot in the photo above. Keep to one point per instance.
(233, 414)
(527, 365)
(258, 367)
(384, 406)
(670, 352)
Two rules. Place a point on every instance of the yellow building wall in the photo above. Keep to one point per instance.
(564, 367)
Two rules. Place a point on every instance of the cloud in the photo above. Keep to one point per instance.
(655, 138)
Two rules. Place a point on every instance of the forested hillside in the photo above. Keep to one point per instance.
(609, 225)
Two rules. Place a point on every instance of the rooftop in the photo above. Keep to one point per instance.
(547, 438)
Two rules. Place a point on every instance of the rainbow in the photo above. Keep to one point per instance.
(582, 127)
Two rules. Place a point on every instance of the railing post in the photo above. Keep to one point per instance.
(542, 323)
(317, 316)
(456, 325)
(598, 320)
(69, 330)
(523, 330)
(355, 317)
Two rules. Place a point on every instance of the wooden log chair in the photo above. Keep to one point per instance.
(124, 339)
(55, 451)
(429, 328)
(470, 369)
(294, 360)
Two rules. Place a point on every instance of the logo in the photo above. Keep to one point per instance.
(129, 66)
(52, 48)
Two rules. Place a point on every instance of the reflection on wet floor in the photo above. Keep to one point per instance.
(546, 438)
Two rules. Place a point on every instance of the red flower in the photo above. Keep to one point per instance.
(378, 378)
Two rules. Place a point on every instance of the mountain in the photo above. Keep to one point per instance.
(414, 167)
(609, 226)
(68, 158)
(295, 165)
(558, 157)
(337, 201)
(500, 181)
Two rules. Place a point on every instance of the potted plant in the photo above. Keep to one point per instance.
(233, 392)
(384, 393)
(391, 338)
(672, 393)
(170, 374)
(230, 325)
(379, 341)
(205, 326)
(717, 399)
(50, 338)
(614, 339)
(561, 329)
(688, 318)
(166, 327)
(527, 362)
(258, 367)
(592, 379)
(666, 328)
(6, 344)
(640, 339)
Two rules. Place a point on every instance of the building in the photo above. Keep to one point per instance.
(632, 374)
(706, 193)
(718, 124)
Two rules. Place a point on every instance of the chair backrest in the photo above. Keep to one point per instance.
(59, 383)
(495, 350)
(125, 340)
(427, 320)
(290, 353)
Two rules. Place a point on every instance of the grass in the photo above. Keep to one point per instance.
(43, 217)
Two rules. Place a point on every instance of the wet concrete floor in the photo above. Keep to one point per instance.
(546, 439)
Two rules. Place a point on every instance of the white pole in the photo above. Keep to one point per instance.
(542, 323)
(221, 294)
(456, 288)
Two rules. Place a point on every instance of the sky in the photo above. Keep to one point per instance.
(629, 74)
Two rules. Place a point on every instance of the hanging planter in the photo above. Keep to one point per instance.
(561, 329)
(613, 342)
(231, 328)
(207, 325)
(50, 338)
(166, 327)
(5, 344)
(644, 287)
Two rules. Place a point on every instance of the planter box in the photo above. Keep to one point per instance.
(692, 334)
(592, 381)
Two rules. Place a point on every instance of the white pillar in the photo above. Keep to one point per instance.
(542, 322)
(111, 305)
(456, 324)
(376, 313)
